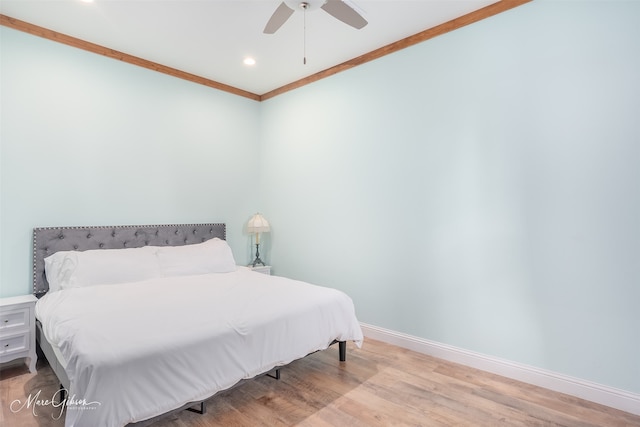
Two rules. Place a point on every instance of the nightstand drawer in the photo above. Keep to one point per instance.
(14, 318)
(14, 344)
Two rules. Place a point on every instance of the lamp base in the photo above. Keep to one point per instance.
(257, 260)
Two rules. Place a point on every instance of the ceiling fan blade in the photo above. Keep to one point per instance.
(343, 12)
(279, 17)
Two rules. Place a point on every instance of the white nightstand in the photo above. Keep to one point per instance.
(18, 329)
(264, 269)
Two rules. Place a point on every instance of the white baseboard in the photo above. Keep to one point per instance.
(598, 393)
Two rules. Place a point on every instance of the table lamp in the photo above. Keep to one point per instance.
(258, 224)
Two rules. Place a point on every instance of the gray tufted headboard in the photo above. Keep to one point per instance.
(49, 240)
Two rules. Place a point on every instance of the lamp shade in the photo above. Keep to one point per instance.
(258, 224)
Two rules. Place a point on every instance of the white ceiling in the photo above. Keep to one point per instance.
(210, 38)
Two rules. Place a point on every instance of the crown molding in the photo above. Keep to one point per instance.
(55, 36)
(454, 24)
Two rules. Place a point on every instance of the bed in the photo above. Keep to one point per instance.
(141, 321)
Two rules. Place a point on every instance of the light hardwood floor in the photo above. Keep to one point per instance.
(379, 385)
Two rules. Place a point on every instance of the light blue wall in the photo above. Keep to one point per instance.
(481, 189)
(87, 140)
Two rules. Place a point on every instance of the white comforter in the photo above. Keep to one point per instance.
(137, 350)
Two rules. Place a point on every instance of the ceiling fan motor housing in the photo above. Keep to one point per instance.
(305, 5)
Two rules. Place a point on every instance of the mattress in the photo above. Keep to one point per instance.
(137, 350)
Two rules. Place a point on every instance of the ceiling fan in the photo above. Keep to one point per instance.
(336, 8)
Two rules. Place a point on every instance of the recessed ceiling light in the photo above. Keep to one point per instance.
(87, 1)
(249, 61)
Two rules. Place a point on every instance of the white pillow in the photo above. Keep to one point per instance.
(59, 267)
(212, 256)
(72, 269)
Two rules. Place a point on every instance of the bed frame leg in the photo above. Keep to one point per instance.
(63, 393)
(342, 348)
(276, 376)
(201, 410)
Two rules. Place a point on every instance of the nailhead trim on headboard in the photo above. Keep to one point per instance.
(49, 240)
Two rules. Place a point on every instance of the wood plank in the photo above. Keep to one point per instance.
(379, 385)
